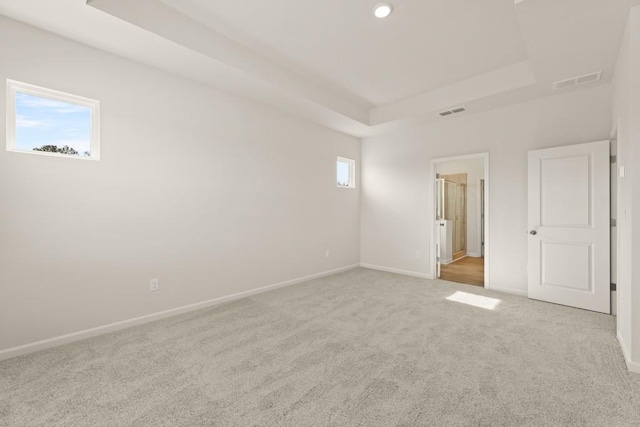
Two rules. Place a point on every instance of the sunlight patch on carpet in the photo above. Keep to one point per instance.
(474, 300)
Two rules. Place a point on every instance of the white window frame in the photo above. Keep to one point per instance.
(352, 172)
(14, 87)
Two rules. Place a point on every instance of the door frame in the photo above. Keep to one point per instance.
(432, 212)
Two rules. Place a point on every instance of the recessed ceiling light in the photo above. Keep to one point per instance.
(382, 10)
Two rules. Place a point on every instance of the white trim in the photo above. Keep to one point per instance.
(397, 271)
(88, 333)
(473, 255)
(519, 292)
(631, 366)
(431, 214)
(14, 87)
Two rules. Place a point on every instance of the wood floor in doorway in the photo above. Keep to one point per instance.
(467, 270)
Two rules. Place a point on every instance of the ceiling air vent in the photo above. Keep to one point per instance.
(577, 81)
(451, 112)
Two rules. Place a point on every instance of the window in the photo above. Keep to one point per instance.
(346, 173)
(45, 121)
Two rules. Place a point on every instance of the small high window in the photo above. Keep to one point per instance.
(346, 173)
(45, 121)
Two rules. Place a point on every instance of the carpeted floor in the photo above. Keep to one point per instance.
(361, 348)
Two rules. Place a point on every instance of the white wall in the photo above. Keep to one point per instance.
(474, 168)
(212, 194)
(397, 196)
(626, 125)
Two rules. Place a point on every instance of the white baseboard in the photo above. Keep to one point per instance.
(88, 333)
(518, 292)
(631, 366)
(397, 271)
(449, 261)
(430, 276)
(473, 255)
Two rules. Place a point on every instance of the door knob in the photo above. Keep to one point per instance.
(533, 232)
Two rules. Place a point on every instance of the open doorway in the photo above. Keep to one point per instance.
(461, 220)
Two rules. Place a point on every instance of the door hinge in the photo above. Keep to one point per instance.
(613, 286)
(613, 159)
(614, 222)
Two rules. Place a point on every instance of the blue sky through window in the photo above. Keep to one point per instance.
(41, 121)
(344, 174)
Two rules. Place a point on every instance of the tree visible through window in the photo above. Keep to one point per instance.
(42, 121)
(52, 126)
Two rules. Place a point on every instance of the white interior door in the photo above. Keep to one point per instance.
(569, 226)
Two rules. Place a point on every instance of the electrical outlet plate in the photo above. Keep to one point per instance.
(154, 285)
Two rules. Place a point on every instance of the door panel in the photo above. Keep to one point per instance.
(565, 190)
(569, 226)
(573, 271)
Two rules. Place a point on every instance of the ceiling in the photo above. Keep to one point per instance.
(422, 46)
(334, 63)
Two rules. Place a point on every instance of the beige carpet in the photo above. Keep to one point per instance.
(361, 348)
